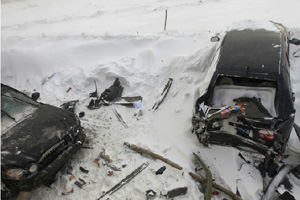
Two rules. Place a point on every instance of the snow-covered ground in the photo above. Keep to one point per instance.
(53, 45)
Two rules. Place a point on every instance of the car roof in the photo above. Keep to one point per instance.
(257, 50)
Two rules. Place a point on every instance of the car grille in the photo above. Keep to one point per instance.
(55, 150)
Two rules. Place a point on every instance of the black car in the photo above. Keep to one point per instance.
(36, 141)
(249, 103)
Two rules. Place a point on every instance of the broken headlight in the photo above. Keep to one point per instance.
(17, 174)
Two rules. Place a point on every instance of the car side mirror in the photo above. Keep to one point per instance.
(294, 41)
(35, 96)
(214, 39)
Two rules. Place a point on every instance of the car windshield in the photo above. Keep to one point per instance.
(15, 107)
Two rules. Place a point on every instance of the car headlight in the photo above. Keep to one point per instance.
(33, 168)
(15, 173)
(18, 174)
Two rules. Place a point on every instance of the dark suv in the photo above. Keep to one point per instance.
(249, 102)
(36, 141)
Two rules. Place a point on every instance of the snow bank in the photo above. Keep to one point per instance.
(59, 46)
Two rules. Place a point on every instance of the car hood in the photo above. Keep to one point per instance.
(29, 139)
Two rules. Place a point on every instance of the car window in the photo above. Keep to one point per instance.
(14, 107)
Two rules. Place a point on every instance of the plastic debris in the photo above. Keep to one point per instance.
(110, 173)
(150, 194)
(125, 180)
(72, 177)
(286, 196)
(161, 170)
(69, 89)
(84, 170)
(80, 183)
(69, 106)
(104, 156)
(81, 114)
(68, 192)
(176, 192)
(163, 94)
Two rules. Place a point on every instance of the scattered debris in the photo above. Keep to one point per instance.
(163, 94)
(84, 170)
(72, 177)
(113, 167)
(110, 173)
(153, 155)
(80, 184)
(96, 161)
(69, 89)
(208, 176)
(176, 192)
(150, 194)
(216, 186)
(94, 94)
(69, 106)
(81, 114)
(110, 94)
(125, 180)
(286, 196)
(81, 180)
(104, 156)
(269, 193)
(161, 170)
(68, 192)
(120, 118)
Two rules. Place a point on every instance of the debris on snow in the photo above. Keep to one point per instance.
(163, 94)
(176, 192)
(125, 180)
(153, 155)
(84, 170)
(160, 170)
(120, 118)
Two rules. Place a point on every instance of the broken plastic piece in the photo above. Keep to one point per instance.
(68, 192)
(286, 196)
(69, 106)
(94, 94)
(125, 180)
(161, 170)
(176, 192)
(83, 170)
(81, 114)
(150, 194)
(110, 173)
(69, 89)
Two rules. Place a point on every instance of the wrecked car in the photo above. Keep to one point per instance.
(36, 141)
(249, 103)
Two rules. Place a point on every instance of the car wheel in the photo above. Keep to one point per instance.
(226, 81)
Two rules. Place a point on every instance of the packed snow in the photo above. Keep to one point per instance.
(60, 48)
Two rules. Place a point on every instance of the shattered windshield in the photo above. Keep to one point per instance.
(14, 107)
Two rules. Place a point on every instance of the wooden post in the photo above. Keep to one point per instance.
(166, 16)
(216, 186)
(153, 155)
(208, 177)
